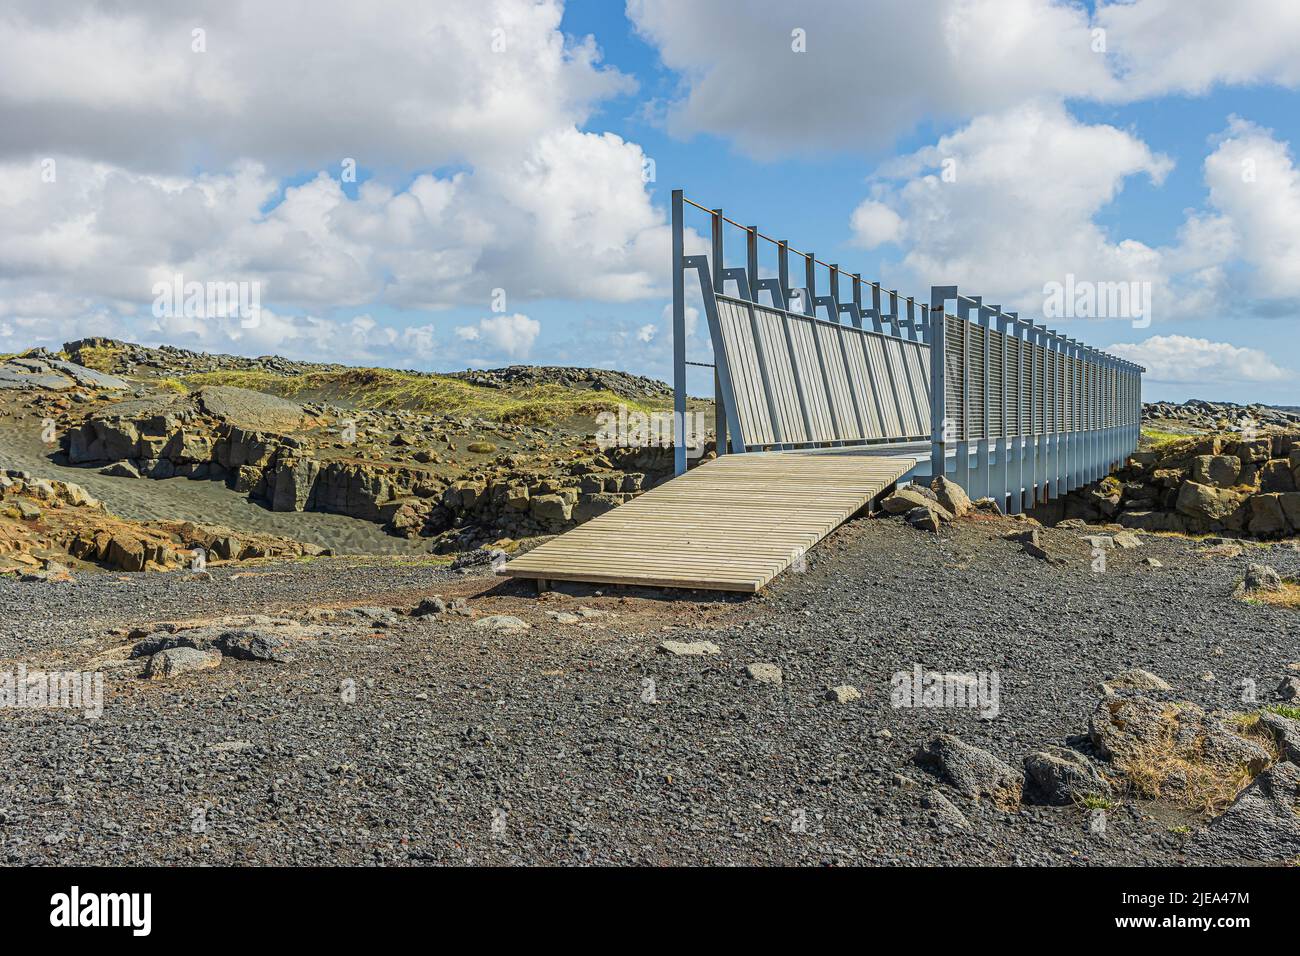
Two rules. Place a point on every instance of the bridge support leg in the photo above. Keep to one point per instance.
(998, 473)
(679, 335)
(980, 479)
(1015, 460)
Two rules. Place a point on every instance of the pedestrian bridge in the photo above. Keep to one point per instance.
(731, 524)
(816, 417)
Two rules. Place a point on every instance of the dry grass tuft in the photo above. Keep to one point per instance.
(1288, 597)
(1178, 771)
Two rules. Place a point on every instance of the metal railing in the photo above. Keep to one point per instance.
(1016, 411)
(1030, 414)
(790, 373)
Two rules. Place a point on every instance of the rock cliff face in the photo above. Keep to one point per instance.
(1209, 484)
(244, 439)
(46, 523)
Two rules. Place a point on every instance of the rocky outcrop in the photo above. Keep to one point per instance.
(621, 384)
(973, 772)
(1057, 775)
(1216, 416)
(39, 369)
(1262, 824)
(1217, 484)
(45, 522)
(222, 434)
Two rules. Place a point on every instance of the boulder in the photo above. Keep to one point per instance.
(689, 648)
(926, 519)
(764, 673)
(1277, 476)
(908, 497)
(121, 469)
(1060, 776)
(973, 772)
(180, 660)
(1285, 732)
(1219, 471)
(946, 813)
(502, 624)
(294, 481)
(1261, 824)
(125, 553)
(1126, 540)
(1134, 679)
(1289, 689)
(1259, 577)
(1208, 503)
(1161, 740)
(552, 509)
(591, 504)
(1290, 502)
(951, 495)
(843, 694)
(1267, 519)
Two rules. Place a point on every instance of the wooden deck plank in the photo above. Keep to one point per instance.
(732, 524)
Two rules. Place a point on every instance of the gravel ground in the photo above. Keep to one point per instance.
(581, 743)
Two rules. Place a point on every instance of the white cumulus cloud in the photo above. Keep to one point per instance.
(511, 335)
(1184, 360)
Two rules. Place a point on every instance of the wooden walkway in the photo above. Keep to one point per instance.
(732, 524)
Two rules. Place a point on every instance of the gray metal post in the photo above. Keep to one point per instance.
(718, 263)
(939, 295)
(679, 342)
(1053, 417)
(981, 479)
(1001, 477)
(1021, 481)
(961, 468)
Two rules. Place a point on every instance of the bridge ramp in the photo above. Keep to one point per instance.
(732, 524)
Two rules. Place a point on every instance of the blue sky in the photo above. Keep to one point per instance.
(498, 214)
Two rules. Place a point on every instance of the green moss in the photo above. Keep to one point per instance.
(172, 385)
(1155, 437)
(443, 394)
(1095, 802)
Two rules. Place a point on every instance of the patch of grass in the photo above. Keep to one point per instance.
(1096, 802)
(1176, 770)
(1283, 710)
(1181, 828)
(172, 385)
(1155, 437)
(100, 358)
(443, 394)
(1288, 597)
(1204, 787)
(424, 560)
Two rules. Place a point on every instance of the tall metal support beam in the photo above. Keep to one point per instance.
(939, 423)
(679, 341)
(1021, 478)
(980, 479)
(719, 263)
(727, 392)
(1001, 476)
